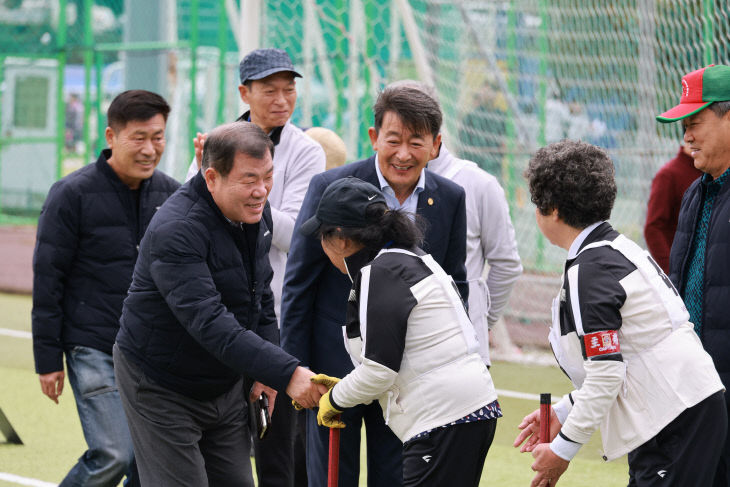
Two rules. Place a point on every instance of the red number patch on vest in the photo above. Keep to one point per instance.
(601, 343)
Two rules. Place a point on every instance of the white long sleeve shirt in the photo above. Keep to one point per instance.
(620, 332)
(490, 238)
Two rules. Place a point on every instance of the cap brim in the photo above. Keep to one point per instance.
(310, 227)
(269, 72)
(681, 111)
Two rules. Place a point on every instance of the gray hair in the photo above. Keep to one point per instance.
(720, 108)
(427, 88)
(225, 141)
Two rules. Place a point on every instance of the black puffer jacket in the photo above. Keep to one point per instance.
(86, 246)
(715, 331)
(195, 321)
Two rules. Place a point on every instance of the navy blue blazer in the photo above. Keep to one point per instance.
(314, 299)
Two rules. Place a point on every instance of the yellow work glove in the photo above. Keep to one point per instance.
(325, 380)
(327, 414)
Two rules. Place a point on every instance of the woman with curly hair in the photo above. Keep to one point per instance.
(621, 333)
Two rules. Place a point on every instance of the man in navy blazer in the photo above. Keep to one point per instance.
(405, 136)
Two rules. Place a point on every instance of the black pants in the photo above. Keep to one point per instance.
(180, 441)
(452, 456)
(280, 456)
(722, 476)
(686, 452)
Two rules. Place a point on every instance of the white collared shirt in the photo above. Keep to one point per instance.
(411, 203)
(575, 246)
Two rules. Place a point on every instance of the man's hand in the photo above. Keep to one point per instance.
(198, 143)
(327, 414)
(548, 465)
(257, 389)
(325, 380)
(52, 384)
(530, 427)
(302, 390)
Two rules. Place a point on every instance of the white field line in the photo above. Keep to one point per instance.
(524, 395)
(17, 479)
(500, 392)
(16, 333)
(518, 395)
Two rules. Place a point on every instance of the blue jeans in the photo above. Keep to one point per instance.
(110, 455)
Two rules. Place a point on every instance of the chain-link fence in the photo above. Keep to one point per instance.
(511, 76)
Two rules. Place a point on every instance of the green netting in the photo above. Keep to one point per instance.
(511, 76)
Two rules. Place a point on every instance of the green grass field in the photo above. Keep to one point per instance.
(53, 438)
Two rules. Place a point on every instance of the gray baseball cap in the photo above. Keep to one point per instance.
(260, 63)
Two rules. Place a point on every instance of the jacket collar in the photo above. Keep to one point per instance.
(198, 184)
(274, 135)
(592, 233)
(102, 163)
(358, 260)
(707, 180)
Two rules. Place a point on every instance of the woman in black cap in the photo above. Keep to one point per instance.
(410, 338)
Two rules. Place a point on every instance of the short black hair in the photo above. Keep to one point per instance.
(139, 105)
(225, 141)
(574, 177)
(419, 112)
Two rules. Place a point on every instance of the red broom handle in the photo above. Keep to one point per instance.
(333, 466)
(545, 402)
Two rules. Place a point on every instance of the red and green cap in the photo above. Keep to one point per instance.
(699, 89)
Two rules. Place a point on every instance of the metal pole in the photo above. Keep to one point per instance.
(521, 126)
(194, 39)
(88, 61)
(100, 119)
(513, 113)
(708, 33)
(2, 80)
(250, 33)
(60, 102)
(304, 90)
(222, 25)
(542, 101)
(371, 73)
(339, 47)
(356, 35)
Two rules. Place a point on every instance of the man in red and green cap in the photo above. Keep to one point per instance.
(699, 262)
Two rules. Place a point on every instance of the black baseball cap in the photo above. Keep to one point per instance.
(260, 63)
(344, 203)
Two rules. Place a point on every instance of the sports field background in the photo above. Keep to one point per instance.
(53, 438)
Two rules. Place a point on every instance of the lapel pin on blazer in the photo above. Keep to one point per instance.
(430, 202)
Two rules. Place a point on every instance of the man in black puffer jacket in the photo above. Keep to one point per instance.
(200, 316)
(88, 234)
(699, 262)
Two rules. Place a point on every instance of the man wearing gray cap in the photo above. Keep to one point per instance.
(268, 87)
